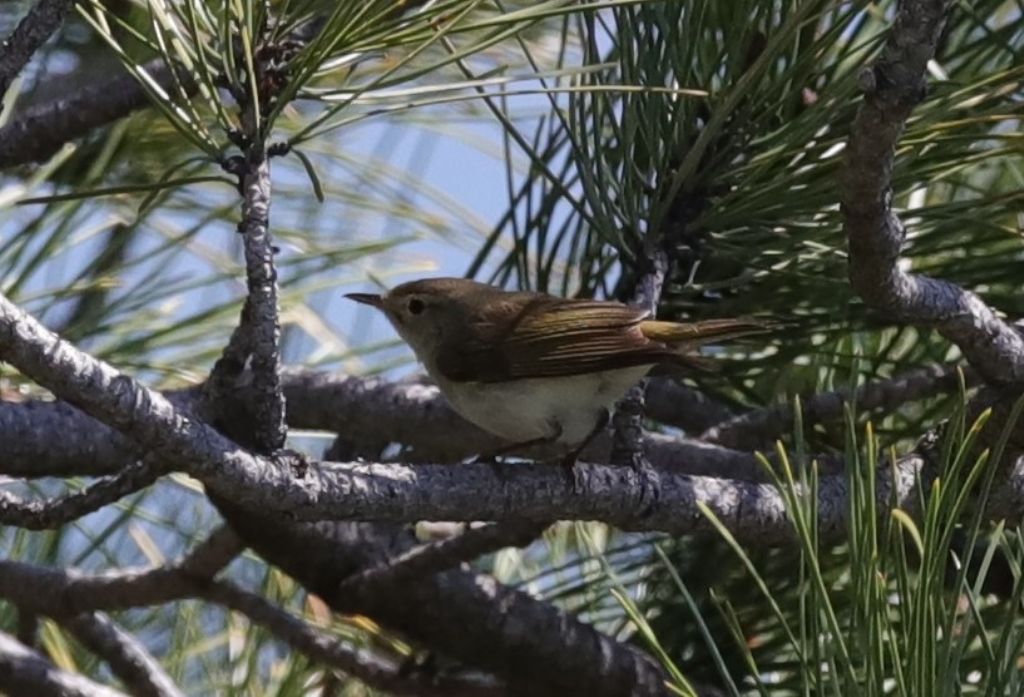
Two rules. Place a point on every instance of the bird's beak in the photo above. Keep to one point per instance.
(367, 299)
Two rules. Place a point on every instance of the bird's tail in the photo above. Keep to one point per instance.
(683, 338)
(687, 335)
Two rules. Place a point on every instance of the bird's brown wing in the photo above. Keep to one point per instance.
(542, 336)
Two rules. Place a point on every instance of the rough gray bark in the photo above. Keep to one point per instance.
(260, 321)
(758, 428)
(323, 647)
(892, 88)
(38, 131)
(53, 512)
(128, 659)
(395, 492)
(46, 438)
(32, 32)
(25, 673)
(73, 597)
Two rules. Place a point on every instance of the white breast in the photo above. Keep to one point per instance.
(523, 410)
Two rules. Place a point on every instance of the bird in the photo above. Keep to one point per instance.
(533, 368)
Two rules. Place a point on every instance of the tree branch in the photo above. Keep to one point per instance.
(56, 511)
(64, 593)
(25, 673)
(481, 609)
(28, 627)
(38, 25)
(260, 322)
(146, 416)
(128, 659)
(892, 87)
(323, 647)
(536, 648)
(674, 404)
(627, 424)
(396, 492)
(531, 645)
(758, 428)
(48, 438)
(37, 132)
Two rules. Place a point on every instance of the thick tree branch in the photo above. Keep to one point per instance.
(374, 409)
(25, 673)
(38, 131)
(536, 648)
(479, 608)
(531, 645)
(892, 87)
(125, 589)
(362, 491)
(54, 512)
(128, 659)
(758, 428)
(146, 416)
(47, 438)
(486, 608)
(38, 25)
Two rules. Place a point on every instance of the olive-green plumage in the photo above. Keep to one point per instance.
(529, 366)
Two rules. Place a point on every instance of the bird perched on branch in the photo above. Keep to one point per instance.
(533, 368)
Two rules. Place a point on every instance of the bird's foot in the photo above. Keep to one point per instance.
(292, 459)
(649, 481)
(484, 458)
(422, 663)
(572, 472)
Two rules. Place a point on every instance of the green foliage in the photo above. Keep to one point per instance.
(899, 605)
(744, 183)
(716, 126)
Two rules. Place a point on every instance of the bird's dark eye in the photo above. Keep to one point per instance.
(416, 306)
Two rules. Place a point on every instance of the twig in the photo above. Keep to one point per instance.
(56, 511)
(25, 673)
(434, 557)
(229, 368)
(757, 428)
(128, 659)
(892, 87)
(38, 25)
(61, 592)
(627, 424)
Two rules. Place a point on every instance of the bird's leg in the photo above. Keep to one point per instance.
(573, 455)
(570, 459)
(493, 454)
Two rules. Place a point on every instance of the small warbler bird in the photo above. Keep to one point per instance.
(534, 368)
